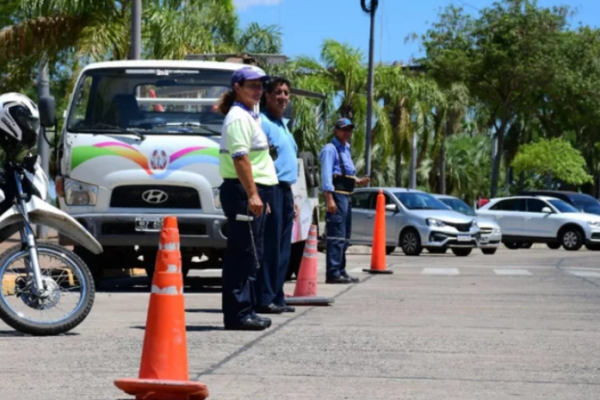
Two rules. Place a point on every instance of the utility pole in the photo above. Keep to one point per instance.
(369, 10)
(43, 86)
(135, 51)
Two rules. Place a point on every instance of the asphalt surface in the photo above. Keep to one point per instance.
(521, 324)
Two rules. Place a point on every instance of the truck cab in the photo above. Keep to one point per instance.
(141, 141)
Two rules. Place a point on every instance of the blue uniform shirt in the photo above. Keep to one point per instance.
(279, 136)
(330, 163)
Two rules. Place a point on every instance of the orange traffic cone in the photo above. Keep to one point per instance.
(378, 250)
(164, 365)
(306, 284)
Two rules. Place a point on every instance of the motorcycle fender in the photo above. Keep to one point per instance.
(42, 213)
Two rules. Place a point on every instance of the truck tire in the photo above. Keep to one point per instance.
(93, 261)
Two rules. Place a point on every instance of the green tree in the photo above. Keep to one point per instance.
(504, 56)
(554, 158)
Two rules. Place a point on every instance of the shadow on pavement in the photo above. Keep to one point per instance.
(205, 310)
(19, 334)
(191, 328)
(140, 284)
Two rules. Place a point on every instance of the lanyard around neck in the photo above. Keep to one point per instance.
(248, 110)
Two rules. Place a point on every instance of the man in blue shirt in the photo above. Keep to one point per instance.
(338, 181)
(270, 297)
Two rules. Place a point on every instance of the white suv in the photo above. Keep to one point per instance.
(528, 219)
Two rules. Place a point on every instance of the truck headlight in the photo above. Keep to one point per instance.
(217, 198)
(435, 222)
(79, 193)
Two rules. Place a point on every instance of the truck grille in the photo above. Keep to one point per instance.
(153, 196)
(460, 227)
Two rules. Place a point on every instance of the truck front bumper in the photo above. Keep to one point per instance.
(195, 230)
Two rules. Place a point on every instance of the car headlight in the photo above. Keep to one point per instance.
(595, 224)
(435, 222)
(79, 193)
(217, 198)
(474, 224)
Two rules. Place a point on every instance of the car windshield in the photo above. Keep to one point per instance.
(563, 207)
(151, 101)
(587, 204)
(459, 206)
(420, 201)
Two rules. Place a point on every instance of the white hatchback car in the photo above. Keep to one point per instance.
(541, 219)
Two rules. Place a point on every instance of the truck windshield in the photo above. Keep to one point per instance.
(152, 101)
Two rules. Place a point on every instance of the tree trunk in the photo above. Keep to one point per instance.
(442, 163)
(413, 162)
(497, 162)
(398, 170)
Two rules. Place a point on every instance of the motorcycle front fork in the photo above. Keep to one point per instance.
(28, 242)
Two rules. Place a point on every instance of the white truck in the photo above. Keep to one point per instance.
(141, 141)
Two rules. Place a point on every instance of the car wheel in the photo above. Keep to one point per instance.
(526, 245)
(461, 252)
(389, 249)
(411, 243)
(571, 238)
(489, 251)
(553, 245)
(512, 245)
(437, 250)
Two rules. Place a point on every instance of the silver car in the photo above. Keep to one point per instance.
(491, 234)
(414, 220)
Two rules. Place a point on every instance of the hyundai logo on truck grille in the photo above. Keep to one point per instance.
(155, 196)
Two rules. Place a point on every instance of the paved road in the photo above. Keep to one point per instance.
(518, 324)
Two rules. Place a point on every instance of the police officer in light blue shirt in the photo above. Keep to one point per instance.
(338, 181)
(278, 229)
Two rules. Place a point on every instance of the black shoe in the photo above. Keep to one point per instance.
(287, 308)
(352, 279)
(249, 324)
(265, 320)
(339, 280)
(270, 309)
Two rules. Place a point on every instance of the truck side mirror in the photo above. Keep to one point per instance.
(47, 107)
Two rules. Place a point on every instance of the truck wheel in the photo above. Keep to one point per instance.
(489, 252)
(93, 261)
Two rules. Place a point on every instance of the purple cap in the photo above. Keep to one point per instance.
(248, 73)
(344, 123)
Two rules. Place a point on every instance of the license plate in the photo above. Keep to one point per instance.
(464, 238)
(148, 224)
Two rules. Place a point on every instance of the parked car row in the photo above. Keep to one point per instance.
(416, 220)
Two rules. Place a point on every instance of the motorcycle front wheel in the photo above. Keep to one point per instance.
(66, 279)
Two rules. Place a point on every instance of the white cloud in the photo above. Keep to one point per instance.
(245, 4)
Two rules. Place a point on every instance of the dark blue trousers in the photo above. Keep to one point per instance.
(239, 263)
(339, 229)
(277, 247)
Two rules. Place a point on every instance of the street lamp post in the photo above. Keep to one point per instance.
(369, 10)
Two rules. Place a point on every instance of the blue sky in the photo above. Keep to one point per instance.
(306, 23)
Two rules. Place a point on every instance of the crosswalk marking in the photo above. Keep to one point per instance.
(440, 271)
(512, 272)
(585, 274)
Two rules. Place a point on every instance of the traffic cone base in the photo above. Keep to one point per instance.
(154, 389)
(305, 293)
(163, 373)
(378, 271)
